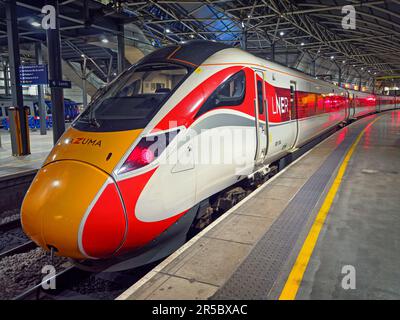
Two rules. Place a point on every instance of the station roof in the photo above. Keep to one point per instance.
(293, 33)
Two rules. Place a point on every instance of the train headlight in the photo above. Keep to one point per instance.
(147, 150)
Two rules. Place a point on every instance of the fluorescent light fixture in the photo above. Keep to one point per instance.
(105, 40)
(35, 24)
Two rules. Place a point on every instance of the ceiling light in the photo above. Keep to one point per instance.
(332, 57)
(104, 40)
(35, 24)
(281, 33)
(344, 61)
(302, 44)
(168, 30)
(192, 36)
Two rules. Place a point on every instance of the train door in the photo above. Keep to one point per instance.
(294, 110)
(261, 122)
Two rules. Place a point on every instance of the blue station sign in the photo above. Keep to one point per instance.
(33, 74)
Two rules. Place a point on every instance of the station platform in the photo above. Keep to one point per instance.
(325, 227)
(40, 148)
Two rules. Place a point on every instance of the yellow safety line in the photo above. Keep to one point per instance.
(296, 275)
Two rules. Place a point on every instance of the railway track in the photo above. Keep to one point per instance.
(13, 240)
(74, 283)
(13, 188)
(7, 226)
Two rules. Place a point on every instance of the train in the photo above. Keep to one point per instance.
(125, 183)
(71, 110)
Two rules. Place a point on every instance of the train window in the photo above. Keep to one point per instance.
(132, 101)
(229, 93)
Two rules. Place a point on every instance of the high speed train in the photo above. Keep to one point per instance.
(133, 172)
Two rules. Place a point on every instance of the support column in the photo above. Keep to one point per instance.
(18, 124)
(6, 86)
(340, 74)
(273, 51)
(121, 49)
(243, 41)
(313, 66)
(55, 73)
(373, 86)
(287, 58)
(41, 103)
(110, 66)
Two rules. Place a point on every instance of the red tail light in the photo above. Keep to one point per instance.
(147, 150)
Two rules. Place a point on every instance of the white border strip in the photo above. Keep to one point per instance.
(148, 276)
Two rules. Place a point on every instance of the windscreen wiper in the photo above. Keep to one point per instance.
(91, 120)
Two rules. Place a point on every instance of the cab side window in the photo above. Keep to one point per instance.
(229, 93)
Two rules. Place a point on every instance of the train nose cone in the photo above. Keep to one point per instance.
(75, 208)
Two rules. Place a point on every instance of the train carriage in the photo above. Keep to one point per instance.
(135, 169)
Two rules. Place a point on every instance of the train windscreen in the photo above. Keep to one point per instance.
(133, 100)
